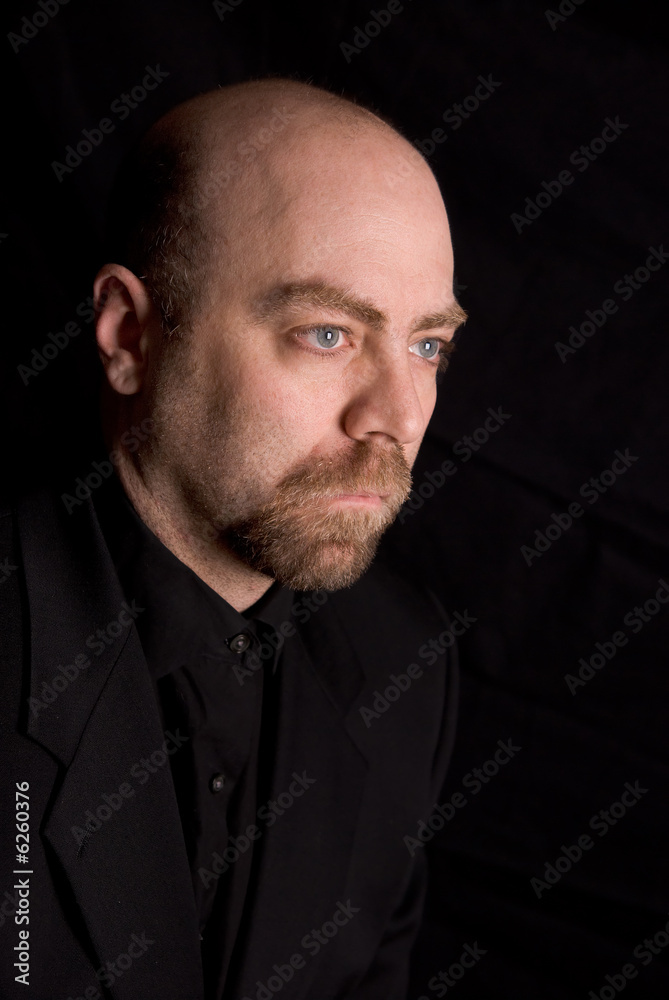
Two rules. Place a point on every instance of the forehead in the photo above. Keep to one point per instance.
(362, 209)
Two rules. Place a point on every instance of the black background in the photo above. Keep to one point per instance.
(557, 85)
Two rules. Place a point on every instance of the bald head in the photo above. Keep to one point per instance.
(224, 161)
(303, 246)
(231, 114)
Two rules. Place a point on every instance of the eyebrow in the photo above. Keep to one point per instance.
(319, 294)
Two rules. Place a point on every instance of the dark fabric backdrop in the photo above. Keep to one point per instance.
(554, 80)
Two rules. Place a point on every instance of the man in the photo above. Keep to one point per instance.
(216, 774)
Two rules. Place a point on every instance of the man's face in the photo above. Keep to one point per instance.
(290, 419)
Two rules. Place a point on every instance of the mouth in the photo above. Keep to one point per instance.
(365, 499)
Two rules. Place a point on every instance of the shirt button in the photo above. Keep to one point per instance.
(240, 642)
(217, 782)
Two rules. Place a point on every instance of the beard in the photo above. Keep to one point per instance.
(306, 542)
(295, 533)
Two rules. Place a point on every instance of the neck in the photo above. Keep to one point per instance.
(194, 542)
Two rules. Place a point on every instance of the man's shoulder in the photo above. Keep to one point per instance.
(33, 506)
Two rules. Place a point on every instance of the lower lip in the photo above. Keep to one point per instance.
(358, 498)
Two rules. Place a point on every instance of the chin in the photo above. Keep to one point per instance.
(334, 566)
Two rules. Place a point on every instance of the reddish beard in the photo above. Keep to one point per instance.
(305, 541)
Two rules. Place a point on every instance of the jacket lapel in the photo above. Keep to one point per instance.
(114, 823)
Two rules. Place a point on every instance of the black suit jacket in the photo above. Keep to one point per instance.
(113, 914)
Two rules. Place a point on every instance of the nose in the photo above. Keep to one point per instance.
(387, 402)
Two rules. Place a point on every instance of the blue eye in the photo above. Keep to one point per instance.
(431, 348)
(327, 336)
(323, 338)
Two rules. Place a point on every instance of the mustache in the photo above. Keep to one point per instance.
(367, 468)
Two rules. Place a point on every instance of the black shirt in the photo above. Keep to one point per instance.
(215, 672)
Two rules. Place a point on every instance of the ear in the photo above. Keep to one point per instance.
(126, 320)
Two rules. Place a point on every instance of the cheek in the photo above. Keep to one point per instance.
(294, 395)
(429, 401)
(278, 418)
(279, 406)
(300, 419)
